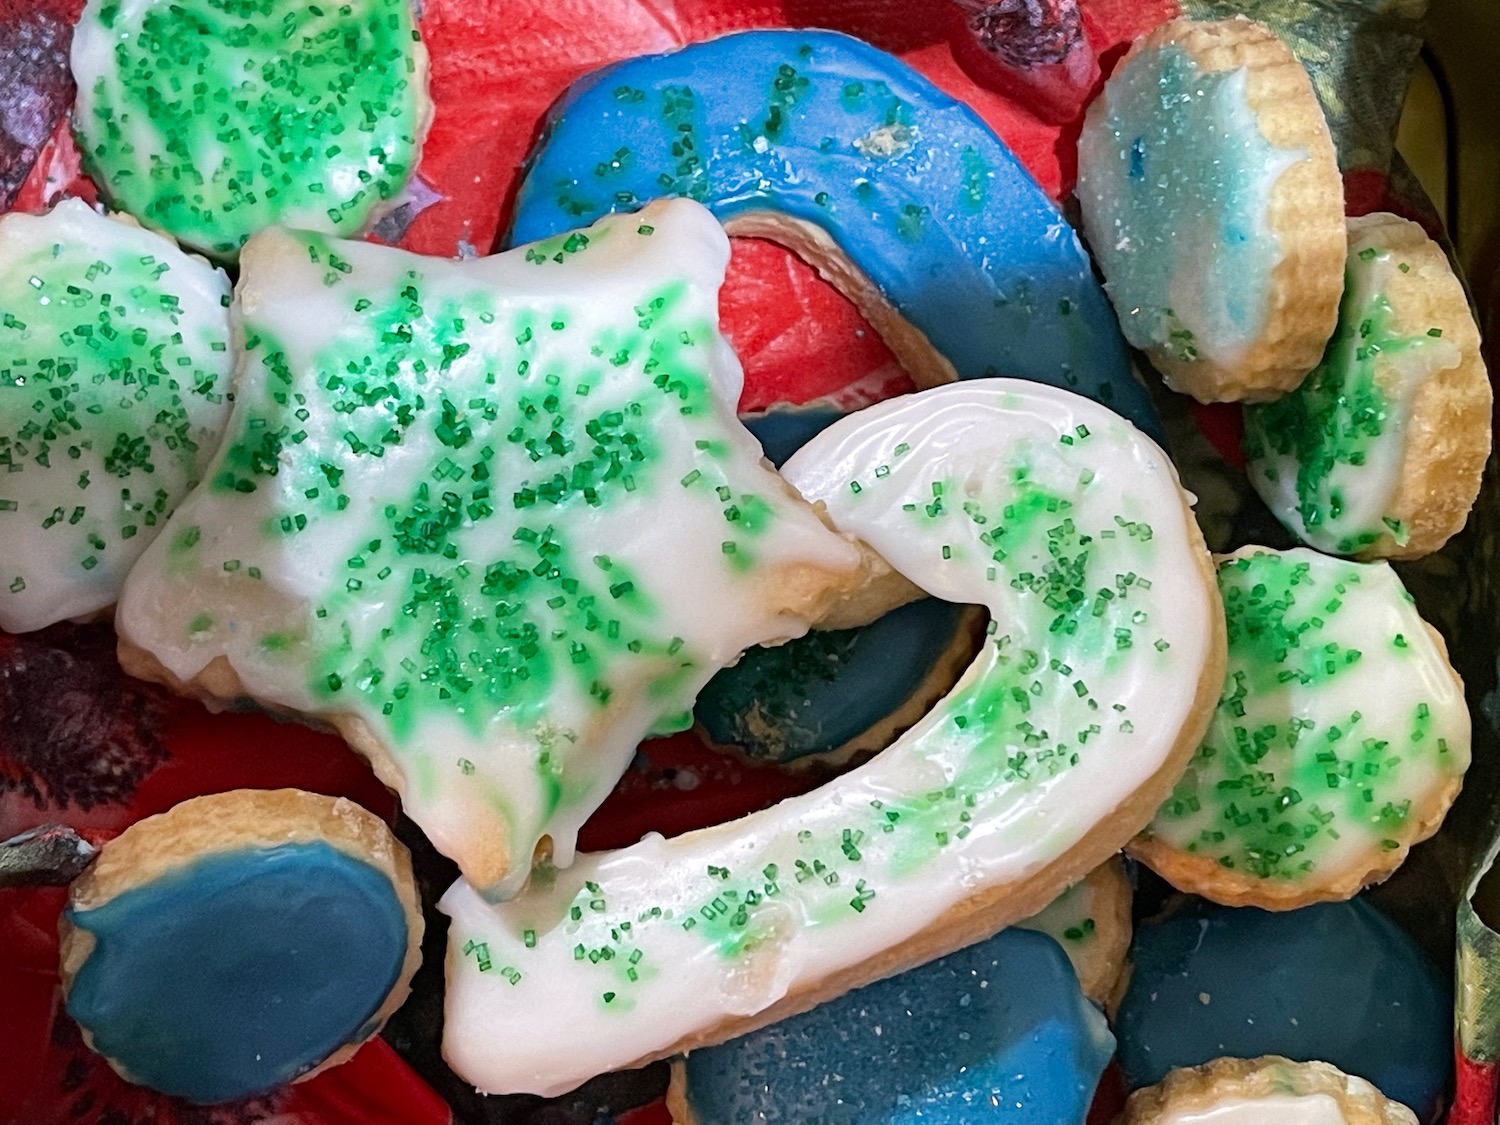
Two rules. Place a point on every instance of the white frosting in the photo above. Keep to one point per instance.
(74, 513)
(681, 558)
(628, 953)
(1275, 1109)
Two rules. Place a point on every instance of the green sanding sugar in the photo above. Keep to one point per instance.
(212, 119)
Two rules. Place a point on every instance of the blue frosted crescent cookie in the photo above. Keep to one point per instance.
(240, 941)
(1212, 199)
(1263, 1091)
(1338, 982)
(899, 195)
(1001, 1025)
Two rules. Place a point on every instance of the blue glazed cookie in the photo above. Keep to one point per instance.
(999, 1029)
(899, 195)
(240, 941)
(1339, 982)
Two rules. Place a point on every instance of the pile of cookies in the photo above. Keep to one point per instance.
(496, 521)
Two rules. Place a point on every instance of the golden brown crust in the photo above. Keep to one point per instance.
(246, 818)
(1200, 1088)
(1448, 435)
(1305, 212)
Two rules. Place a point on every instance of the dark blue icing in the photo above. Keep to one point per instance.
(783, 430)
(241, 970)
(818, 692)
(1338, 982)
(996, 1032)
(917, 191)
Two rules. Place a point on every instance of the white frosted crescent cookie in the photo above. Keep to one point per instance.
(1103, 661)
(1379, 452)
(1264, 1091)
(1341, 739)
(1213, 203)
(240, 941)
(494, 520)
(114, 391)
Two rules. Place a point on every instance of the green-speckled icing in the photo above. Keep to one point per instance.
(114, 391)
(499, 511)
(1175, 179)
(211, 119)
(1339, 724)
(1069, 527)
(1327, 457)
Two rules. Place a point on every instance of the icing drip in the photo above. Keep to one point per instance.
(1339, 718)
(1070, 528)
(1327, 458)
(1176, 178)
(212, 119)
(1000, 1025)
(911, 186)
(239, 971)
(114, 380)
(1337, 981)
(444, 506)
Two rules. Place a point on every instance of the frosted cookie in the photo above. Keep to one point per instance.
(1090, 921)
(1059, 741)
(900, 196)
(1341, 739)
(212, 119)
(240, 941)
(494, 520)
(1379, 452)
(114, 391)
(1212, 199)
(1263, 1091)
(1337, 981)
(1001, 1025)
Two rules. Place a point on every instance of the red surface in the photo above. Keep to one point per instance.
(1474, 1102)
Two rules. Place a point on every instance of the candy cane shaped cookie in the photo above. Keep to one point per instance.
(1102, 668)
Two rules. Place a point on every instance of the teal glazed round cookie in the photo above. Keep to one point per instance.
(114, 391)
(1379, 452)
(212, 119)
(240, 942)
(901, 196)
(1340, 740)
(1212, 199)
(1001, 1025)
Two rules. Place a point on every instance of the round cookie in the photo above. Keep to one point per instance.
(1341, 739)
(1337, 981)
(114, 391)
(1001, 1024)
(900, 196)
(240, 941)
(1379, 452)
(1264, 1090)
(212, 119)
(1096, 683)
(1212, 200)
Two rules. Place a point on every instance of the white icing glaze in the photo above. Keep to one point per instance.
(572, 335)
(1276, 1109)
(74, 513)
(627, 953)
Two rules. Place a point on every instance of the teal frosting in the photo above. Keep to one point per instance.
(1176, 183)
(237, 972)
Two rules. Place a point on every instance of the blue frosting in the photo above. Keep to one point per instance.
(912, 185)
(239, 971)
(996, 1032)
(783, 430)
(1338, 982)
(816, 693)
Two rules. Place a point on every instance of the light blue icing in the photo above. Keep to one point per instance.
(1338, 982)
(1176, 184)
(912, 185)
(239, 971)
(998, 1032)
